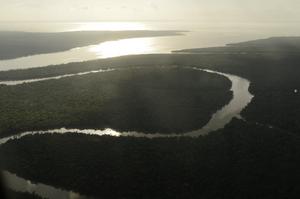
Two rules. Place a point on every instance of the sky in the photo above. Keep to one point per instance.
(138, 10)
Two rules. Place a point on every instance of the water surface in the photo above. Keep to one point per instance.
(22, 185)
(241, 98)
(200, 35)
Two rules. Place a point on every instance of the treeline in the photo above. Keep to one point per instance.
(274, 78)
(242, 161)
(151, 100)
(20, 44)
(10, 194)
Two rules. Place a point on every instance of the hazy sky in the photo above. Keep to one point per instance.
(200, 10)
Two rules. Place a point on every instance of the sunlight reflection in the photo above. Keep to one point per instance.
(123, 47)
(111, 26)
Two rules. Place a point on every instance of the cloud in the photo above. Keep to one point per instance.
(152, 5)
(229, 10)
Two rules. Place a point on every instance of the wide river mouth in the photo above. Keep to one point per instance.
(107, 49)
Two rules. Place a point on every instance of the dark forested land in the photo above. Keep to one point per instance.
(242, 161)
(272, 65)
(19, 44)
(18, 195)
(274, 78)
(246, 159)
(151, 100)
(285, 45)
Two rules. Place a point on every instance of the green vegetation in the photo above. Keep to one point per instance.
(242, 161)
(19, 44)
(274, 77)
(162, 99)
(279, 45)
(18, 195)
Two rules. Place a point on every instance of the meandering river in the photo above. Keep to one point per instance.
(241, 98)
(240, 88)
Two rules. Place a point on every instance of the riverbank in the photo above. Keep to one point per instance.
(149, 100)
(21, 44)
(242, 159)
(256, 156)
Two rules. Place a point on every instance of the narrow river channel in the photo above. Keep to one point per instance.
(241, 98)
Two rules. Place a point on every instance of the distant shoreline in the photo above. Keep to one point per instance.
(20, 44)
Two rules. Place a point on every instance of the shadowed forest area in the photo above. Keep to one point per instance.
(242, 161)
(151, 100)
(254, 157)
(274, 78)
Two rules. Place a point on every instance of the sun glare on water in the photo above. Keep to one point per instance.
(123, 47)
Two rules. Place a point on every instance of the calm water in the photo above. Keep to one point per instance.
(199, 35)
(17, 82)
(22, 185)
(241, 98)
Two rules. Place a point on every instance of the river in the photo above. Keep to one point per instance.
(240, 88)
(199, 35)
(241, 98)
